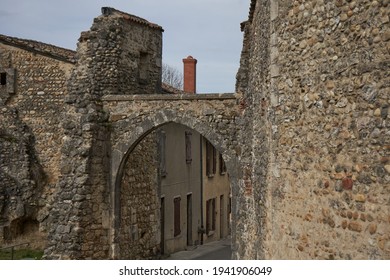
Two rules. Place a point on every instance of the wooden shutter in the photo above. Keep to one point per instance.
(222, 165)
(214, 159)
(214, 214)
(188, 147)
(176, 214)
(208, 158)
(208, 220)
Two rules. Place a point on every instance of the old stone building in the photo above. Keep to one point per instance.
(315, 84)
(33, 77)
(305, 138)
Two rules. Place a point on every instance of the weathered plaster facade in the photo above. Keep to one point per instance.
(179, 186)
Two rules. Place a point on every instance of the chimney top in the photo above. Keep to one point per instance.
(189, 74)
(190, 58)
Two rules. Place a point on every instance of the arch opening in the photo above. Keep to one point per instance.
(172, 192)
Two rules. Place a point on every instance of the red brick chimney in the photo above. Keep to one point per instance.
(189, 74)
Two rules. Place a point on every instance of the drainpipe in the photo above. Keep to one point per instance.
(201, 230)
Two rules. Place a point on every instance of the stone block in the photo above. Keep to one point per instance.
(347, 183)
(355, 226)
(372, 228)
(360, 198)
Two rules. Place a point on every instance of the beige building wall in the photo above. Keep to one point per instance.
(180, 185)
(216, 194)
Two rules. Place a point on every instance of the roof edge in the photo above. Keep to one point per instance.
(107, 11)
(45, 49)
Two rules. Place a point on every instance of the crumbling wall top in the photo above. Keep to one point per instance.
(107, 11)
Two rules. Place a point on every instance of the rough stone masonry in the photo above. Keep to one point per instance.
(306, 136)
(315, 80)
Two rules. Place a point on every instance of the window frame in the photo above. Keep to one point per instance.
(211, 159)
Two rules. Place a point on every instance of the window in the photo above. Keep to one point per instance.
(210, 216)
(211, 160)
(188, 147)
(143, 67)
(7, 79)
(176, 216)
(222, 165)
(3, 78)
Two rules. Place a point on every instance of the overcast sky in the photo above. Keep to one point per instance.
(209, 30)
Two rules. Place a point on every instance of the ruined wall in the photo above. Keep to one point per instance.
(21, 180)
(141, 59)
(327, 101)
(128, 64)
(139, 236)
(30, 102)
(38, 97)
(85, 206)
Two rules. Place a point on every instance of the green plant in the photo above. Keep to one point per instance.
(20, 254)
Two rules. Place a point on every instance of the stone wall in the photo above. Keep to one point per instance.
(306, 143)
(22, 179)
(124, 64)
(107, 63)
(31, 102)
(134, 116)
(317, 73)
(39, 90)
(139, 236)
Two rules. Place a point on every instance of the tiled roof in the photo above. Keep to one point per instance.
(110, 11)
(41, 48)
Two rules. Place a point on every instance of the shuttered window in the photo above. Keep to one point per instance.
(210, 216)
(211, 159)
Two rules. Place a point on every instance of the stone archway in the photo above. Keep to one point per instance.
(128, 132)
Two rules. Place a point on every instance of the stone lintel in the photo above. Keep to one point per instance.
(162, 97)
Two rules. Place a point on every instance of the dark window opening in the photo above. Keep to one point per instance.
(3, 79)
